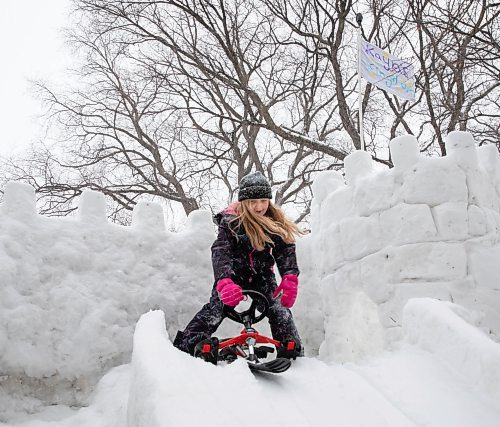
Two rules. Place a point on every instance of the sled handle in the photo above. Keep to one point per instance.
(243, 317)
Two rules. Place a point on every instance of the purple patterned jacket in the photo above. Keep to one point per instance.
(234, 257)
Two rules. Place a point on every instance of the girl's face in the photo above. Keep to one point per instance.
(259, 206)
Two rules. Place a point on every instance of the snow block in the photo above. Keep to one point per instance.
(347, 277)
(428, 261)
(199, 220)
(435, 181)
(406, 223)
(19, 201)
(8, 273)
(460, 147)
(199, 229)
(336, 206)
(92, 207)
(329, 251)
(489, 160)
(405, 151)
(438, 327)
(492, 221)
(483, 265)
(356, 165)
(476, 220)
(352, 330)
(451, 220)
(148, 215)
(376, 193)
(375, 277)
(481, 190)
(360, 236)
(325, 183)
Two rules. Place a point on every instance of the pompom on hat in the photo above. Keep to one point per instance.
(254, 186)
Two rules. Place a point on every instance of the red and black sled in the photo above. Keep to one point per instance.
(249, 345)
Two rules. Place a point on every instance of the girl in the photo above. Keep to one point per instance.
(253, 235)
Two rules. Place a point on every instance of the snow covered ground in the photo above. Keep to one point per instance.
(399, 307)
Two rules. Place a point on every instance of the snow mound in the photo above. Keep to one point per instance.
(442, 329)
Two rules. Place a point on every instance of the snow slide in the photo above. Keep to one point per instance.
(406, 387)
(169, 388)
(445, 372)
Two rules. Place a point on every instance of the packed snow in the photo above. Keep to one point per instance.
(399, 307)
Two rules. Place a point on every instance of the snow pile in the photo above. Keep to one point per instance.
(428, 227)
(465, 348)
(447, 374)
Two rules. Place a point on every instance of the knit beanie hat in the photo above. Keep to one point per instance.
(254, 186)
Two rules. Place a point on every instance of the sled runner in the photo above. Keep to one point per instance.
(249, 345)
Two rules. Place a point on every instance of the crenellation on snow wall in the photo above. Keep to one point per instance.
(421, 228)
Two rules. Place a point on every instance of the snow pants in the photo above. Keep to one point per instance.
(208, 319)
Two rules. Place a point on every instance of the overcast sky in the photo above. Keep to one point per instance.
(32, 47)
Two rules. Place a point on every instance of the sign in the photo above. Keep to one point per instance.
(386, 71)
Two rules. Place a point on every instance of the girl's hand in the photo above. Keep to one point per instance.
(229, 292)
(289, 286)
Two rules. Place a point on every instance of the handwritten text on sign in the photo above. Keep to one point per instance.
(386, 71)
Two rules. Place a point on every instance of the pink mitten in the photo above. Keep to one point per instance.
(289, 285)
(229, 292)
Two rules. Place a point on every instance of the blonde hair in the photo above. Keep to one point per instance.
(259, 227)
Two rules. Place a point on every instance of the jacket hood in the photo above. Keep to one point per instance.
(231, 210)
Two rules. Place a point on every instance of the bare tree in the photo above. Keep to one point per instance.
(179, 99)
(118, 139)
(456, 44)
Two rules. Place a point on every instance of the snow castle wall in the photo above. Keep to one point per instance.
(429, 227)
(73, 289)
